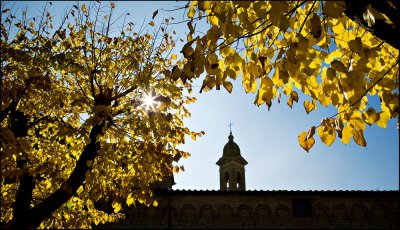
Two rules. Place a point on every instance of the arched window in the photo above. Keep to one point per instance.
(226, 176)
(238, 180)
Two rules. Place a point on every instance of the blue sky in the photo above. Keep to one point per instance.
(268, 139)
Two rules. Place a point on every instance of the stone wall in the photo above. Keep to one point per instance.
(267, 209)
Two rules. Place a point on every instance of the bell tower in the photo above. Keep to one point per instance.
(231, 167)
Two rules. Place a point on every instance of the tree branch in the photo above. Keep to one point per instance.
(43, 210)
(22, 203)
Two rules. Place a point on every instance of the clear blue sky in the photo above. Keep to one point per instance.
(268, 139)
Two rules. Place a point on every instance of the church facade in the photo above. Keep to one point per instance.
(234, 207)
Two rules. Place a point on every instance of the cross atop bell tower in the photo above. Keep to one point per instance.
(230, 127)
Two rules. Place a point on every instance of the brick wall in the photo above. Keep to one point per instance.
(267, 209)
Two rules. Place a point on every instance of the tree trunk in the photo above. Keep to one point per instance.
(21, 214)
(24, 217)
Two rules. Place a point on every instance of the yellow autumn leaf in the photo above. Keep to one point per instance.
(309, 106)
(370, 116)
(358, 136)
(384, 117)
(347, 133)
(327, 134)
(214, 20)
(155, 203)
(83, 8)
(48, 184)
(191, 12)
(330, 57)
(290, 102)
(305, 143)
(117, 206)
(129, 199)
(294, 96)
(193, 136)
(152, 23)
(228, 86)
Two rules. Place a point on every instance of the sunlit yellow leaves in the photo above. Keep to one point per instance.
(370, 116)
(90, 83)
(228, 86)
(155, 203)
(48, 184)
(339, 29)
(327, 132)
(347, 133)
(309, 105)
(384, 117)
(250, 85)
(214, 20)
(333, 60)
(208, 82)
(305, 143)
(333, 55)
(266, 92)
(193, 136)
(117, 206)
(70, 204)
(358, 136)
(293, 97)
(129, 199)
(191, 11)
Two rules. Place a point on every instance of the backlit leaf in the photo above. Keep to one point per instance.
(305, 143)
(358, 137)
(228, 86)
(327, 134)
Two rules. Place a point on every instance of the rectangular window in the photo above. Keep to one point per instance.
(302, 208)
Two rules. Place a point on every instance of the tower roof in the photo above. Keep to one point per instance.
(231, 149)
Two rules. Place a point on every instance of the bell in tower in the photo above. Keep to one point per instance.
(231, 167)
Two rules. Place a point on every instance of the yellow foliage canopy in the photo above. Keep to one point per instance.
(311, 45)
(75, 127)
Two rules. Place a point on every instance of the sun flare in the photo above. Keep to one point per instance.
(148, 101)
